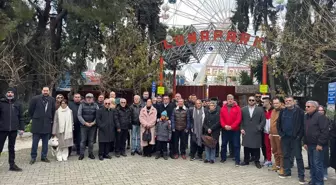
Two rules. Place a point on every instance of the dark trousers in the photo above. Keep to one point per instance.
(263, 146)
(104, 148)
(77, 138)
(231, 149)
(36, 140)
(11, 144)
(161, 147)
(234, 137)
(147, 150)
(121, 141)
(316, 164)
(87, 135)
(128, 138)
(254, 152)
(171, 145)
(194, 148)
(180, 142)
(292, 147)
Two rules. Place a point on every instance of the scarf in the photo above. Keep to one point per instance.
(65, 122)
(198, 116)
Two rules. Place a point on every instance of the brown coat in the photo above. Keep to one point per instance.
(274, 119)
(147, 120)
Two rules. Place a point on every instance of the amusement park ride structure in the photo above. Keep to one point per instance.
(208, 35)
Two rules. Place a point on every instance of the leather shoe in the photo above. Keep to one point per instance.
(244, 164)
(123, 154)
(32, 161)
(15, 168)
(101, 158)
(45, 160)
(91, 156)
(81, 157)
(107, 157)
(258, 165)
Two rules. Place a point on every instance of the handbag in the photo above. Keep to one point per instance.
(209, 141)
(147, 136)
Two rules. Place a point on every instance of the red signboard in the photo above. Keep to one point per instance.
(218, 35)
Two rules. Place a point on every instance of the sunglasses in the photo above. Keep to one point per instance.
(258, 96)
(107, 103)
(60, 97)
(122, 102)
(308, 107)
(251, 100)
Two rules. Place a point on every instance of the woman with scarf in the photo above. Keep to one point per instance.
(62, 129)
(147, 118)
(198, 116)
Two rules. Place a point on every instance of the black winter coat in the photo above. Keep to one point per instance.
(211, 121)
(11, 115)
(107, 123)
(169, 108)
(74, 107)
(316, 129)
(135, 110)
(41, 120)
(124, 116)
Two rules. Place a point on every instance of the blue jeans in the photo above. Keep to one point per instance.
(36, 140)
(234, 137)
(316, 165)
(136, 138)
(292, 147)
(210, 154)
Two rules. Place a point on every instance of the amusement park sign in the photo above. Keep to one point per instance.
(214, 35)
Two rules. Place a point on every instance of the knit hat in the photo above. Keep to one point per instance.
(164, 113)
(12, 90)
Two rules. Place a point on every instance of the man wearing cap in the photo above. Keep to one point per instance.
(11, 120)
(87, 117)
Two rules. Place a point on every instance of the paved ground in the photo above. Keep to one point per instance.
(138, 170)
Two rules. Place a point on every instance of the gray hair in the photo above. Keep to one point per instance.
(314, 103)
(137, 96)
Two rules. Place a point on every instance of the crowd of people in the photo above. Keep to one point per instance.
(166, 128)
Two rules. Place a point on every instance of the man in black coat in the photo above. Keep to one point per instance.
(316, 141)
(135, 109)
(74, 105)
(42, 111)
(107, 122)
(11, 120)
(124, 116)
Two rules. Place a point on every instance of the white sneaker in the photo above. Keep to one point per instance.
(59, 159)
(325, 178)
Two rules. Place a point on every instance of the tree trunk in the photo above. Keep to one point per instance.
(174, 82)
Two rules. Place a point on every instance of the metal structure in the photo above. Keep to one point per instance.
(210, 15)
(197, 11)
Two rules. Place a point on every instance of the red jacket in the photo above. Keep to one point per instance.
(232, 118)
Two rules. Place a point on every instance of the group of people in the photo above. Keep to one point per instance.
(167, 128)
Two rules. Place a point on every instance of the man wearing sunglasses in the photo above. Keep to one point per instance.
(316, 141)
(253, 122)
(124, 117)
(290, 127)
(107, 122)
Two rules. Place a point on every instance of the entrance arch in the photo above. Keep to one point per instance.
(198, 39)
